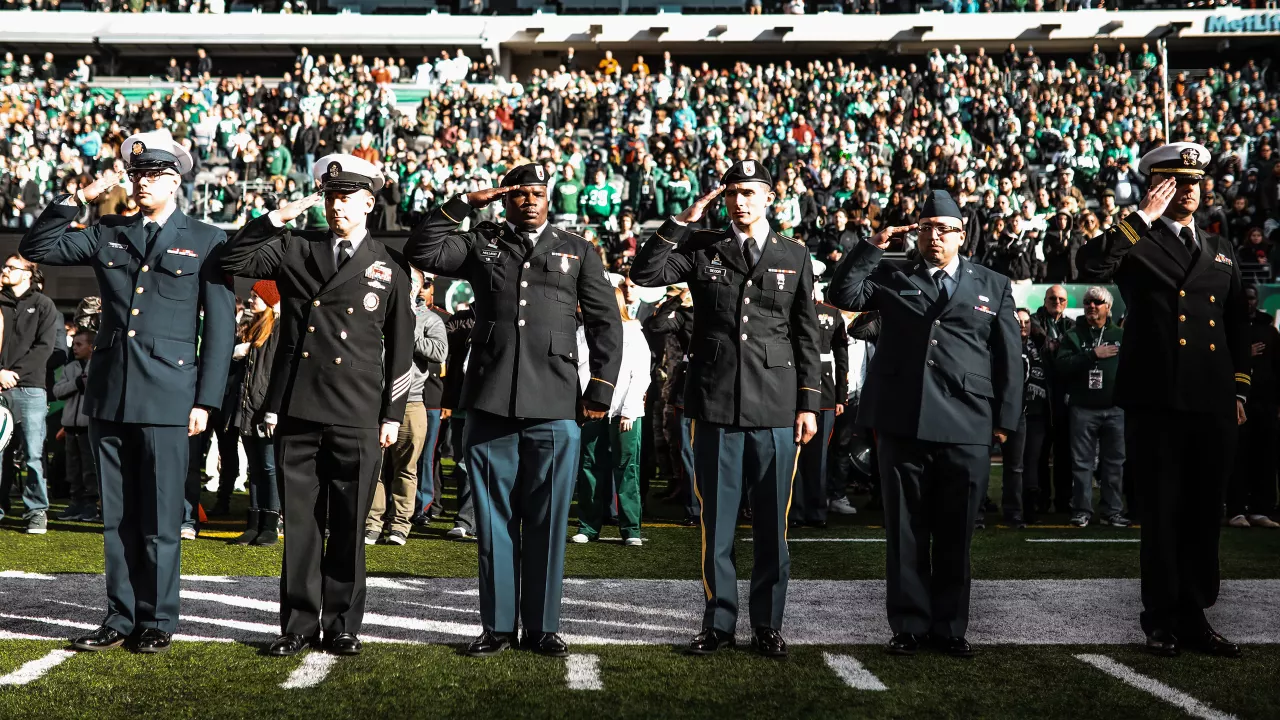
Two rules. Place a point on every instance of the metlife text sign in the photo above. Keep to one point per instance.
(1255, 23)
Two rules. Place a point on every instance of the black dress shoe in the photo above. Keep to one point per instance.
(956, 647)
(104, 638)
(769, 643)
(904, 644)
(1163, 643)
(691, 521)
(490, 644)
(709, 641)
(288, 645)
(1209, 642)
(152, 640)
(344, 644)
(546, 644)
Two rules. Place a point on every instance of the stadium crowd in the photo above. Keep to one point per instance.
(1041, 154)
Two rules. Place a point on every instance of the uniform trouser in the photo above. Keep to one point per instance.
(82, 474)
(730, 462)
(1253, 482)
(809, 502)
(326, 471)
(692, 505)
(1097, 433)
(397, 485)
(141, 468)
(1181, 461)
(466, 515)
(29, 406)
(521, 473)
(228, 439)
(427, 481)
(932, 495)
(1014, 453)
(610, 458)
(662, 444)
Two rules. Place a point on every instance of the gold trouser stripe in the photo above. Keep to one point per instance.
(1129, 232)
(791, 491)
(442, 212)
(702, 511)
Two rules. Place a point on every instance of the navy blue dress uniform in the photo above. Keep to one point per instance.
(341, 370)
(809, 499)
(1184, 363)
(946, 373)
(753, 365)
(521, 394)
(153, 361)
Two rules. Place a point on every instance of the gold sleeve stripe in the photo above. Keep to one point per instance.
(659, 236)
(606, 382)
(446, 214)
(1243, 378)
(810, 389)
(1129, 232)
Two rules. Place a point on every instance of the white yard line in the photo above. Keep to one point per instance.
(26, 575)
(34, 670)
(1174, 697)
(827, 540)
(208, 578)
(636, 609)
(314, 669)
(582, 672)
(1083, 540)
(852, 672)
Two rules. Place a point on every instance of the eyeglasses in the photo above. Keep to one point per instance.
(15, 268)
(1055, 299)
(1094, 301)
(149, 175)
(929, 228)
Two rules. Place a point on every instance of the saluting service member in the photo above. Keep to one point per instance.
(946, 376)
(338, 390)
(521, 392)
(1182, 381)
(148, 391)
(809, 500)
(754, 386)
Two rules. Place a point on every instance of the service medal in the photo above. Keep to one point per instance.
(564, 263)
(371, 301)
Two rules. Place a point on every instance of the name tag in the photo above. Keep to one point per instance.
(905, 293)
(715, 271)
(490, 254)
(117, 246)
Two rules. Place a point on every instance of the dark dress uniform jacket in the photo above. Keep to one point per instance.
(145, 366)
(1186, 327)
(346, 336)
(946, 375)
(833, 349)
(524, 344)
(754, 359)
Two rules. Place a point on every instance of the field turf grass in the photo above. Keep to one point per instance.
(230, 680)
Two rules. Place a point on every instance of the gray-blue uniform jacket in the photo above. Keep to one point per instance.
(145, 366)
(947, 375)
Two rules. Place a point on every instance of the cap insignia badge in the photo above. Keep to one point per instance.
(540, 172)
(748, 167)
(1190, 157)
(138, 147)
(334, 169)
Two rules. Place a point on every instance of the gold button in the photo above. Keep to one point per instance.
(1212, 298)
(109, 263)
(343, 334)
(311, 328)
(315, 303)
(746, 301)
(306, 354)
(1212, 324)
(1182, 318)
(132, 333)
(744, 336)
(350, 310)
(748, 283)
(139, 291)
(744, 318)
(1211, 347)
(146, 268)
(524, 283)
(134, 311)
(337, 361)
(526, 266)
(1182, 341)
(1182, 293)
(523, 303)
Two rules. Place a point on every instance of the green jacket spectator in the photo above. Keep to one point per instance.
(602, 200)
(567, 196)
(1078, 361)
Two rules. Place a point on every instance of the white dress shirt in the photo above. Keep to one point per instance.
(949, 281)
(742, 239)
(1174, 226)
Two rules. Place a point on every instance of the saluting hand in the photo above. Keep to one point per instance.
(99, 186)
(806, 427)
(289, 211)
(694, 212)
(1158, 198)
(479, 198)
(886, 236)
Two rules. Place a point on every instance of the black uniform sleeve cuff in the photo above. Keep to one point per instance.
(672, 232)
(1133, 227)
(809, 400)
(456, 209)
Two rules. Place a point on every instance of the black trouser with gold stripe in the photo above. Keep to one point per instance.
(728, 463)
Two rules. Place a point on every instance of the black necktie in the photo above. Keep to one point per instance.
(1189, 239)
(530, 239)
(152, 230)
(344, 250)
(942, 288)
(752, 252)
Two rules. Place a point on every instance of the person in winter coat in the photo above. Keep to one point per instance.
(258, 341)
(611, 445)
(82, 475)
(1061, 241)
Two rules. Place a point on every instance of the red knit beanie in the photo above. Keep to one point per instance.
(266, 289)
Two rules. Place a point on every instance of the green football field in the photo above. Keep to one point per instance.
(1054, 626)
